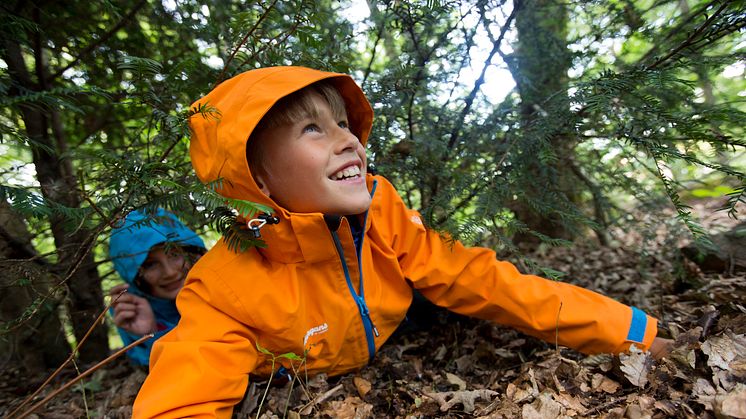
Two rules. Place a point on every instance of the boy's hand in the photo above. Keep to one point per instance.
(132, 313)
(661, 347)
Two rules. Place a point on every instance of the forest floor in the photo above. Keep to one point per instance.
(468, 368)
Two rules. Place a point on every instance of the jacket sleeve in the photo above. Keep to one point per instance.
(201, 367)
(471, 281)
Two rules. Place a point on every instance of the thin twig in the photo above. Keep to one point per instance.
(478, 83)
(69, 358)
(243, 41)
(85, 374)
(691, 37)
(100, 40)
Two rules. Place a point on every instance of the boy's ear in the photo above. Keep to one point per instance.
(259, 179)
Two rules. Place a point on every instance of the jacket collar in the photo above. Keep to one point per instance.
(306, 237)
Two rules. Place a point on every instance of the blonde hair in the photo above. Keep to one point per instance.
(288, 110)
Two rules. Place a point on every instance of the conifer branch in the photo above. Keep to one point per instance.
(243, 41)
(105, 37)
(689, 41)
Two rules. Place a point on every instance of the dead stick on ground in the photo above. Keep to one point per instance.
(307, 408)
(85, 374)
(70, 358)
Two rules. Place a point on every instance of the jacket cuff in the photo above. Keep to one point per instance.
(642, 330)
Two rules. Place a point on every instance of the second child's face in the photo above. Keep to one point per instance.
(315, 165)
(164, 271)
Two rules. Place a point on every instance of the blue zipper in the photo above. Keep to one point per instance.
(370, 328)
(368, 325)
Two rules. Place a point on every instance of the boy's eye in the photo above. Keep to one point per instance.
(343, 124)
(311, 128)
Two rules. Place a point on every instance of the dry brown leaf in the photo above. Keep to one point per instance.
(465, 363)
(320, 399)
(636, 366)
(600, 382)
(349, 408)
(570, 402)
(730, 404)
(635, 411)
(518, 394)
(448, 399)
(734, 403)
(455, 380)
(362, 385)
(544, 407)
(722, 350)
(666, 406)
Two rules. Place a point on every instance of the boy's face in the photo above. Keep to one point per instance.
(314, 164)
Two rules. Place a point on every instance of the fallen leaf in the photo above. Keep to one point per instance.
(349, 408)
(544, 407)
(600, 382)
(722, 350)
(455, 380)
(448, 399)
(734, 403)
(440, 353)
(362, 385)
(666, 406)
(636, 366)
(570, 402)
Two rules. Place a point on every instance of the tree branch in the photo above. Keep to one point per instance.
(87, 50)
(690, 40)
(243, 41)
(478, 84)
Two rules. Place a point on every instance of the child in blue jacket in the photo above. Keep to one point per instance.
(152, 253)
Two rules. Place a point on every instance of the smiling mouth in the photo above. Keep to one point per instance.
(172, 285)
(349, 172)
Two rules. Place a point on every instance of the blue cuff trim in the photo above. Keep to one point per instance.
(638, 325)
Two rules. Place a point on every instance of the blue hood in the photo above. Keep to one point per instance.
(130, 242)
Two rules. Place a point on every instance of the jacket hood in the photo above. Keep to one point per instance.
(218, 142)
(131, 241)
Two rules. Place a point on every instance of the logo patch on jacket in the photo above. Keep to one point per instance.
(414, 218)
(316, 330)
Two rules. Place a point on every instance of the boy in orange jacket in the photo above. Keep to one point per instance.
(342, 257)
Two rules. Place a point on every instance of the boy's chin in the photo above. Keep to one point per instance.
(352, 208)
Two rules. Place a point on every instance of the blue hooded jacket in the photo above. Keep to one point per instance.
(129, 246)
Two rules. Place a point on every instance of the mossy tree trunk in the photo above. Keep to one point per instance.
(48, 143)
(31, 334)
(539, 66)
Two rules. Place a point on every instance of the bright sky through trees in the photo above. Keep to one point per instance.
(498, 81)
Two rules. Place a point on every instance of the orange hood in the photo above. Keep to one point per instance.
(218, 143)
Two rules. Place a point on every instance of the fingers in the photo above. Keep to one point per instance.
(118, 292)
(124, 315)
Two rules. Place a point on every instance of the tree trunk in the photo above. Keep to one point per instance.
(31, 334)
(58, 184)
(539, 66)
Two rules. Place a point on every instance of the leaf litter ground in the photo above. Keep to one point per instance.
(466, 368)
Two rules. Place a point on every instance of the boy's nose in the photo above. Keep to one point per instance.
(345, 140)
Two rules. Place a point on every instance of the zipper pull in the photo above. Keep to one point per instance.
(364, 310)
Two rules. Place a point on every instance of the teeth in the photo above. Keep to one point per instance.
(347, 172)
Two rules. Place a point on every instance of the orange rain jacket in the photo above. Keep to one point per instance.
(311, 293)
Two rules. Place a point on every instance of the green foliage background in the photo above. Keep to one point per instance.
(649, 114)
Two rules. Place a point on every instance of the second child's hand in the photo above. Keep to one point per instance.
(132, 313)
